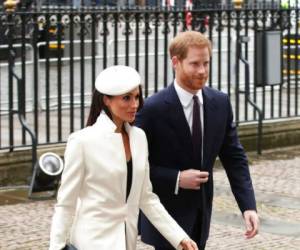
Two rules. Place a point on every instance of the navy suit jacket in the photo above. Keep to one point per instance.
(170, 150)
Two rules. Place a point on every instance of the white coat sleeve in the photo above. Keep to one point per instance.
(67, 196)
(158, 215)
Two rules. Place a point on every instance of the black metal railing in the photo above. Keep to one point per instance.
(58, 51)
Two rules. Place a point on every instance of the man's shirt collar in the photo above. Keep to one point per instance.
(186, 97)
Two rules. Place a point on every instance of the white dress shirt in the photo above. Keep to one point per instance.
(186, 100)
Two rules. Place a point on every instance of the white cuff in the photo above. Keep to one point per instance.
(177, 184)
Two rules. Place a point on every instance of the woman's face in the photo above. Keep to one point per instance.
(123, 108)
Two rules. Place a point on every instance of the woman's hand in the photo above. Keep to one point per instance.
(188, 244)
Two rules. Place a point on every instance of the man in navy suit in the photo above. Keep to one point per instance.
(189, 125)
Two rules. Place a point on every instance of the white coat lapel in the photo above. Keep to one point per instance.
(107, 126)
(104, 123)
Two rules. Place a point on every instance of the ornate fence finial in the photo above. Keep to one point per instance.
(10, 5)
(238, 4)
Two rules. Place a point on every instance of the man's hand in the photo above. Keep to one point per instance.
(192, 178)
(188, 244)
(251, 222)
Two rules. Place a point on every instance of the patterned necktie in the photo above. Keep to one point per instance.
(197, 133)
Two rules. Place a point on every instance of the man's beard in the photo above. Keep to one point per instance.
(197, 81)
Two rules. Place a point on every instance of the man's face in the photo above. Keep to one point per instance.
(192, 72)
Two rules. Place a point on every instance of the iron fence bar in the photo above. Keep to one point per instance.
(183, 20)
(93, 50)
(36, 76)
(47, 75)
(59, 76)
(105, 33)
(211, 24)
(10, 24)
(166, 33)
(193, 15)
(127, 32)
(71, 72)
(272, 102)
(237, 70)
(255, 15)
(82, 68)
(137, 44)
(287, 70)
(156, 52)
(115, 39)
(219, 50)
(282, 78)
(146, 17)
(295, 71)
(272, 87)
(297, 61)
(228, 54)
(23, 70)
(1, 18)
(289, 63)
(281, 85)
(246, 66)
(175, 25)
(264, 59)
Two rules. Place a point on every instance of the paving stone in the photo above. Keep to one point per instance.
(26, 225)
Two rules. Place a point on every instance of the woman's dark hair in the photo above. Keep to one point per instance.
(98, 105)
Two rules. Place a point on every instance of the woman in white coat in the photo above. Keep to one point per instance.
(106, 176)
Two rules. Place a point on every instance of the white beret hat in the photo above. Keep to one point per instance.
(117, 80)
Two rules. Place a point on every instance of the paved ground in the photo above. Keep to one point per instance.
(276, 177)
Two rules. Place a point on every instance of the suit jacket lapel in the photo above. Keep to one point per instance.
(209, 112)
(177, 119)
